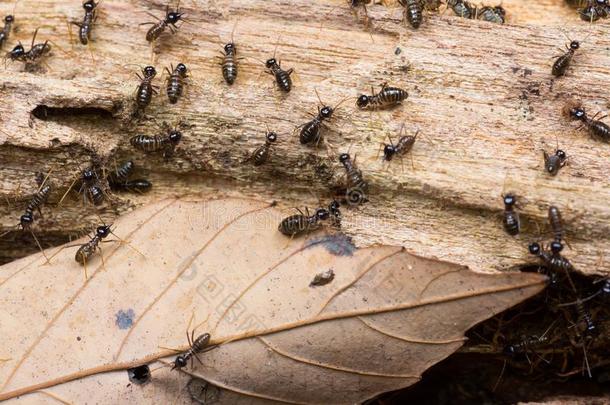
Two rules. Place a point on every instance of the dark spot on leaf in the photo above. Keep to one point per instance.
(139, 375)
(78, 338)
(124, 319)
(337, 244)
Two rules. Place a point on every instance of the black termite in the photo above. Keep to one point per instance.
(303, 223)
(511, 222)
(462, 8)
(38, 199)
(91, 188)
(6, 30)
(197, 345)
(85, 27)
(387, 97)
(357, 188)
(175, 82)
(166, 142)
(524, 345)
(18, 53)
(282, 77)
(88, 249)
(311, 131)
(595, 127)
(133, 186)
(261, 154)
(585, 319)
(172, 17)
(145, 89)
(229, 60)
(492, 14)
(413, 12)
(118, 180)
(563, 61)
(527, 344)
(402, 147)
(556, 223)
(554, 162)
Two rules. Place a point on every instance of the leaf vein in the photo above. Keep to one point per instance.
(330, 366)
(410, 339)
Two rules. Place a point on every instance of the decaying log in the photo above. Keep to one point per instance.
(481, 95)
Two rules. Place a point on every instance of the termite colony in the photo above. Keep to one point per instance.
(572, 332)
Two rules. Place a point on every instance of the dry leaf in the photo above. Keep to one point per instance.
(385, 317)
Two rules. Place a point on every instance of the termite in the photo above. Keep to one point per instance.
(175, 82)
(596, 127)
(85, 27)
(387, 97)
(172, 17)
(357, 187)
(303, 223)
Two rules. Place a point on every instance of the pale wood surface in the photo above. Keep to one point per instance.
(481, 94)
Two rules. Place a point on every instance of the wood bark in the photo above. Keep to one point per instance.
(481, 95)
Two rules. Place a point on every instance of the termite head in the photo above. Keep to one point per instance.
(181, 69)
(362, 101)
(270, 63)
(556, 246)
(271, 137)
(326, 112)
(102, 231)
(509, 350)
(179, 362)
(175, 136)
(173, 17)
(230, 48)
(322, 214)
(89, 5)
(574, 110)
(509, 200)
(149, 71)
(344, 157)
(574, 45)
(561, 155)
(26, 220)
(578, 113)
(389, 151)
(17, 52)
(88, 175)
(9, 19)
(534, 248)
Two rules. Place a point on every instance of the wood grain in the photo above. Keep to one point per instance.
(481, 95)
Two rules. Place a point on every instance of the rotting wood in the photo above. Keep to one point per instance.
(480, 93)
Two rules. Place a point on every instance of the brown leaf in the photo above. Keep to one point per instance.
(385, 317)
